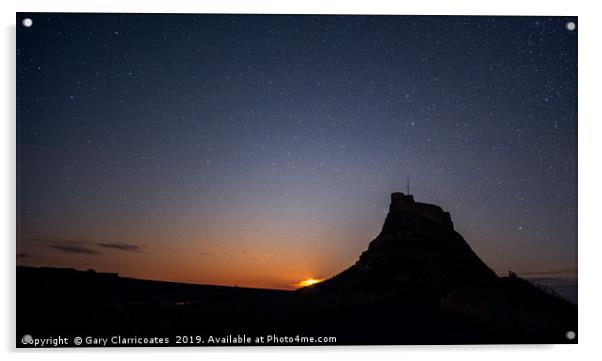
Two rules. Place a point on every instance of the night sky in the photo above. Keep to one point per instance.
(261, 150)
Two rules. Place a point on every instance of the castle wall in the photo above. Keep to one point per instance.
(405, 203)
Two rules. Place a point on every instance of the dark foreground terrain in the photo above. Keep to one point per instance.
(417, 283)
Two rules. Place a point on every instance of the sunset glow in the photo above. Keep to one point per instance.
(308, 282)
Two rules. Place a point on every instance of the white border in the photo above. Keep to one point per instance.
(590, 300)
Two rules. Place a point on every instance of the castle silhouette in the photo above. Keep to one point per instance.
(401, 202)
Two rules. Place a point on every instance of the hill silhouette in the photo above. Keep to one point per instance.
(417, 250)
(419, 282)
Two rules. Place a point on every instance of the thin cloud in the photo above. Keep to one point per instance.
(122, 247)
(74, 249)
(88, 247)
(244, 253)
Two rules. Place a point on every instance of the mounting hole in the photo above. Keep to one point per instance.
(570, 26)
(570, 335)
(27, 22)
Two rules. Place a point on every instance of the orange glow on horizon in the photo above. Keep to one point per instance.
(308, 282)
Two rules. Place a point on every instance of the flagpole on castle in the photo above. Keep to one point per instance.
(408, 185)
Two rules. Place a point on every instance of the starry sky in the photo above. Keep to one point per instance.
(261, 150)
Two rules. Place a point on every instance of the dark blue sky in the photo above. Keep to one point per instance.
(261, 150)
